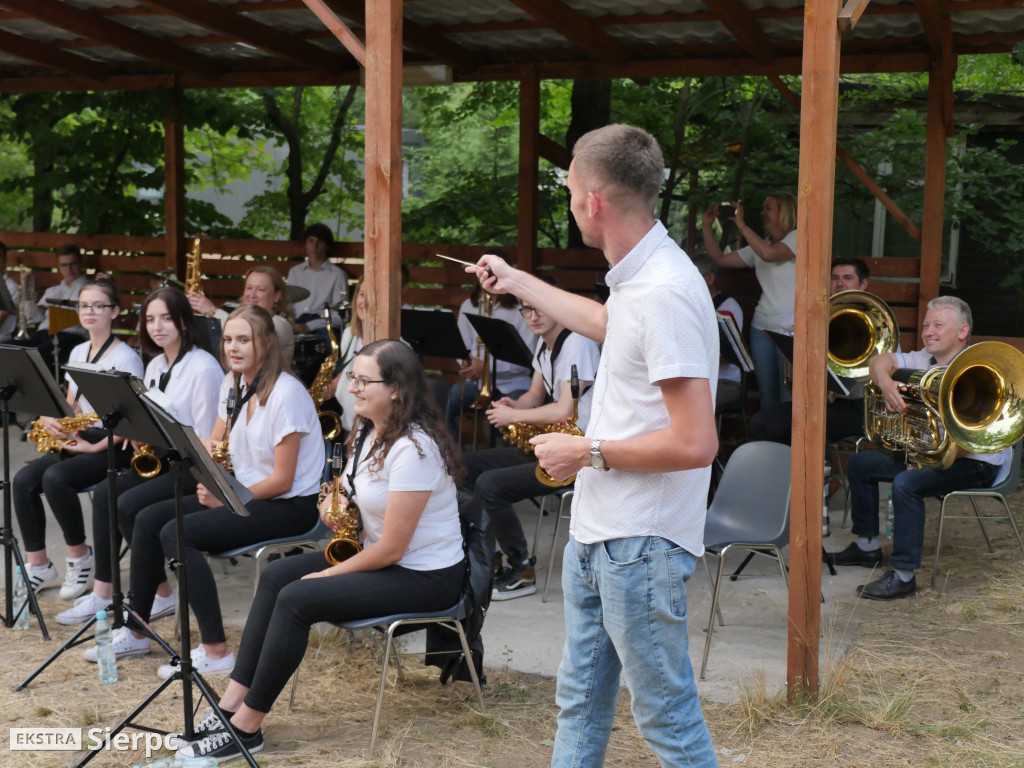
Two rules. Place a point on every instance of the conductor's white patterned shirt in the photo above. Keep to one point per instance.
(661, 325)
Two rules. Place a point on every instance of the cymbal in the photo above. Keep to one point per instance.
(167, 276)
(296, 293)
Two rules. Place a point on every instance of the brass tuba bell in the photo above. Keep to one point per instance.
(860, 326)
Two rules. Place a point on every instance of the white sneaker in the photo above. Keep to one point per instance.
(125, 644)
(202, 664)
(43, 577)
(84, 609)
(78, 576)
(164, 606)
(209, 723)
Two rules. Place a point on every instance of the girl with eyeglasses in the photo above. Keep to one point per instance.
(61, 480)
(277, 452)
(401, 474)
(189, 378)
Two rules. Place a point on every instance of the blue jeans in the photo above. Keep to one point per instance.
(625, 610)
(909, 489)
(768, 367)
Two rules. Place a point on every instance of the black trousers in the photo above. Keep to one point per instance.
(286, 606)
(500, 477)
(60, 480)
(206, 530)
(134, 494)
(843, 418)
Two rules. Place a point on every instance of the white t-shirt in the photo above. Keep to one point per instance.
(348, 348)
(778, 286)
(61, 291)
(510, 378)
(120, 357)
(288, 409)
(10, 323)
(921, 359)
(327, 285)
(437, 541)
(661, 325)
(578, 350)
(730, 371)
(193, 387)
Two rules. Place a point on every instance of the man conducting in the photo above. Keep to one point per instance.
(644, 466)
(946, 329)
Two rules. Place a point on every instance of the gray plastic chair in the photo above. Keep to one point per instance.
(750, 511)
(997, 492)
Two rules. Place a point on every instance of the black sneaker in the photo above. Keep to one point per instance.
(221, 747)
(208, 723)
(515, 581)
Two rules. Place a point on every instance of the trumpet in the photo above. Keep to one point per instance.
(483, 397)
(221, 453)
(47, 443)
(345, 520)
(145, 462)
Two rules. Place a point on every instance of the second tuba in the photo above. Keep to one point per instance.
(860, 326)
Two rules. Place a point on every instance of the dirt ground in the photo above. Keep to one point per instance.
(936, 680)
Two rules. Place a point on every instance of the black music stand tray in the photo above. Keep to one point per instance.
(433, 332)
(27, 384)
(135, 416)
(502, 341)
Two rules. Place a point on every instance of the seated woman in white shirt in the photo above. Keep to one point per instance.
(402, 476)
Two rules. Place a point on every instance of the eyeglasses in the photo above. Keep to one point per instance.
(93, 309)
(359, 383)
(526, 311)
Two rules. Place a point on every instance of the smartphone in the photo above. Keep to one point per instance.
(726, 211)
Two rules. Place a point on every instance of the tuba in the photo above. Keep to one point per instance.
(47, 443)
(345, 520)
(519, 434)
(970, 404)
(221, 452)
(860, 326)
(145, 462)
(330, 424)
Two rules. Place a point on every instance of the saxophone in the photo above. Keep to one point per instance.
(193, 273)
(221, 453)
(330, 424)
(344, 520)
(145, 462)
(26, 302)
(519, 434)
(47, 443)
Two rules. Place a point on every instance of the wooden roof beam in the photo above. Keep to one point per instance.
(424, 40)
(931, 20)
(576, 28)
(339, 29)
(94, 27)
(851, 13)
(54, 58)
(735, 17)
(226, 19)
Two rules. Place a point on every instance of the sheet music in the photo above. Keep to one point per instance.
(731, 343)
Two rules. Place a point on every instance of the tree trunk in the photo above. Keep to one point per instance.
(591, 108)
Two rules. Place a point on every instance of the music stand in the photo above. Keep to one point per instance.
(433, 332)
(26, 385)
(133, 415)
(502, 340)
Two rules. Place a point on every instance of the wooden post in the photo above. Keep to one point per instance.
(816, 190)
(174, 190)
(529, 172)
(383, 238)
(933, 221)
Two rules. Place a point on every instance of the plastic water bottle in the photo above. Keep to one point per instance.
(20, 600)
(890, 519)
(105, 659)
(182, 762)
(826, 529)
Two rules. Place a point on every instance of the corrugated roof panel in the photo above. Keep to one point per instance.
(290, 21)
(164, 26)
(100, 4)
(36, 30)
(881, 27)
(463, 12)
(515, 40)
(597, 8)
(110, 55)
(700, 33)
(981, 22)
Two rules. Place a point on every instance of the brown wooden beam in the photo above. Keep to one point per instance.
(872, 185)
(930, 15)
(738, 20)
(851, 13)
(576, 28)
(54, 58)
(819, 120)
(383, 166)
(553, 152)
(425, 40)
(228, 20)
(529, 171)
(174, 189)
(339, 29)
(94, 27)
(933, 218)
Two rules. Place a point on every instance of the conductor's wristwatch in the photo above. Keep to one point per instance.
(596, 459)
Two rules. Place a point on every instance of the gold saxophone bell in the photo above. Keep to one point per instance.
(345, 520)
(971, 404)
(145, 462)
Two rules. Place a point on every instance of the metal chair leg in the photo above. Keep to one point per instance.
(714, 610)
(981, 524)
(938, 540)
(711, 581)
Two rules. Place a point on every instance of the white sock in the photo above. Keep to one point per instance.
(868, 545)
(905, 576)
(42, 567)
(87, 556)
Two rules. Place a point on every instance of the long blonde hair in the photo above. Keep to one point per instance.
(787, 211)
(265, 341)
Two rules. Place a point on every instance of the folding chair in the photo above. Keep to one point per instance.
(564, 497)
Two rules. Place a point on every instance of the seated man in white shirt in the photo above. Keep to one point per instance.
(502, 476)
(729, 375)
(945, 331)
(326, 282)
